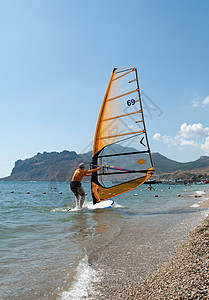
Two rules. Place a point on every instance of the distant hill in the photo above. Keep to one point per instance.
(166, 165)
(59, 166)
(53, 166)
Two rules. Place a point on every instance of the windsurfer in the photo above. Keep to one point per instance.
(75, 183)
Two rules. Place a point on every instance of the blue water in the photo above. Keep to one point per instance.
(44, 247)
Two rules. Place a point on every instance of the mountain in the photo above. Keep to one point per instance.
(53, 166)
(59, 166)
(164, 164)
(167, 168)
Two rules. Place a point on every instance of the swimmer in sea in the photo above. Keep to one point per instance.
(150, 187)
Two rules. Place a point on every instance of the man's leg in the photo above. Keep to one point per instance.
(82, 200)
(77, 201)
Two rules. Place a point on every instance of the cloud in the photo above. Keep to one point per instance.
(186, 143)
(157, 136)
(205, 102)
(205, 146)
(190, 135)
(165, 139)
(194, 130)
(195, 101)
(198, 102)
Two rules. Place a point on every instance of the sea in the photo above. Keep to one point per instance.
(45, 243)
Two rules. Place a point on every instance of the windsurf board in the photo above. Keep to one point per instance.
(104, 204)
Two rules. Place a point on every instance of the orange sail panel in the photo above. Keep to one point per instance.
(120, 139)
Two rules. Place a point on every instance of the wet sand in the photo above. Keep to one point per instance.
(149, 261)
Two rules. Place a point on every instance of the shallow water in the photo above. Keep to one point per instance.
(45, 248)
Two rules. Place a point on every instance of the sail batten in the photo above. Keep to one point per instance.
(121, 116)
(127, 153)
(123, 75)
(120, 139)
(122, 95)
(121, 134)
(124, 172)
(132, 80)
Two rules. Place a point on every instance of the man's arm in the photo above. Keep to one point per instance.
(93, 170)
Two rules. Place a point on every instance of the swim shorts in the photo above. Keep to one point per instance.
(76, 188)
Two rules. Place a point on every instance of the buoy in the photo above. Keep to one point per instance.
(60, 192)
(156, 195)
(179, 195)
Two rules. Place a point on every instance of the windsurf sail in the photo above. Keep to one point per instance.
(121, 145)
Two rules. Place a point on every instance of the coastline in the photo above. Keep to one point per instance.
(178, 268)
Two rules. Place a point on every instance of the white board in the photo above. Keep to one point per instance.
(104, 204)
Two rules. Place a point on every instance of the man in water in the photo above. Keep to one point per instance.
(150, 187)
(75, 183)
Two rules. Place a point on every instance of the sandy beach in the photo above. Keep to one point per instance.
(185, 276)
(178, 265)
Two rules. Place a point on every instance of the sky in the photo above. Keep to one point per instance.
(56, 59)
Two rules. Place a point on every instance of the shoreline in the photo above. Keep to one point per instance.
(168, 270)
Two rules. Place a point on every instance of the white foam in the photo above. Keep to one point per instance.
(200, 193)
(84, 279)
(65, 209)
(58, 209)
(87, 205)
(195, 205)
(76, 209)
(116, 205)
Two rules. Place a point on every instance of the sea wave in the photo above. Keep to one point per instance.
(83, 284)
